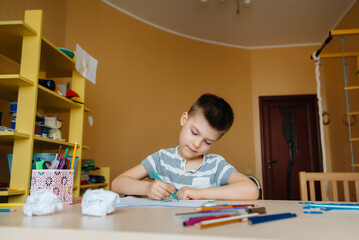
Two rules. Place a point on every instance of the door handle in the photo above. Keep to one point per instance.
(270, 162)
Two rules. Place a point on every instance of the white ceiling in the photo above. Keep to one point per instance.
(261, 24)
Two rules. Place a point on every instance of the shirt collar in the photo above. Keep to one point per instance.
(185, 160)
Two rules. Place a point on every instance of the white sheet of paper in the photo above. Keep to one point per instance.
(86, 65)
(168, 202)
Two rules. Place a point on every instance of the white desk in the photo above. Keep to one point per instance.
(159, 223)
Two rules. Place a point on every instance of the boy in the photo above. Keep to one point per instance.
(187, 169)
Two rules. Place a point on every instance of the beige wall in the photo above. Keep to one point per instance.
(147, 78)
(54, 16)
(279, 71)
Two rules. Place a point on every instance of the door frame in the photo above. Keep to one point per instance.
(264, 102)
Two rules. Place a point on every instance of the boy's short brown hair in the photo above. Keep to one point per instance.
(216, 110)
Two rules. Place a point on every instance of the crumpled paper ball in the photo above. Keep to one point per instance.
(99, 202)
(42, 202)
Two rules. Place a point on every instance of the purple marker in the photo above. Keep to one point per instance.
(62, 165)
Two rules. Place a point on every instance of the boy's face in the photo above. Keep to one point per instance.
(196, 136)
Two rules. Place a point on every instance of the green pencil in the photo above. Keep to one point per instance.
(7, 210)
(159, 179)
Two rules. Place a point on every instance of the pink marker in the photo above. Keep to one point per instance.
(197, 220)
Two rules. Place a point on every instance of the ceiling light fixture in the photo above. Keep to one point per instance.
(247, 2)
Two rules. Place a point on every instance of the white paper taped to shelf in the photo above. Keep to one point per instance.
(90, 119)
(86, 65)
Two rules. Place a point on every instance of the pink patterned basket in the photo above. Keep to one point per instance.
(59, 182)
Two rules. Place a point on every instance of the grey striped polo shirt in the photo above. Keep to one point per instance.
(168, 164)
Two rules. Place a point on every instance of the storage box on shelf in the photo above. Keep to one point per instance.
(104, 171)
(22, 42)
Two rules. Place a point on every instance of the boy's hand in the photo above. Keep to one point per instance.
(186, 193)
(159, 190)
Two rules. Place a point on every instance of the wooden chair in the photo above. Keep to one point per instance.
(325, 179)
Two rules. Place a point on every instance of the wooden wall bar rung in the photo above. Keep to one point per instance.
(344, 32)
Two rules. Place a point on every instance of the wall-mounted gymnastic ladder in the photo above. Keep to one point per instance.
(316, 57)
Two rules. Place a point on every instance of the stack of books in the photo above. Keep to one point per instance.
(87, 166)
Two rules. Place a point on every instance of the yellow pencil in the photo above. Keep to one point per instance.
(11, 204)
(74, 157)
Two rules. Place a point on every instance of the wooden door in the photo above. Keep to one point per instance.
(290, 143)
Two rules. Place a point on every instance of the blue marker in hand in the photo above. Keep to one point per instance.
(159, 179)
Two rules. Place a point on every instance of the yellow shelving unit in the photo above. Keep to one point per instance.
(22, 42)
(104, 171)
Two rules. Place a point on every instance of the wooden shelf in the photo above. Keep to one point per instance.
(14, 80)
(9, 86)
(104, 171)
(94, 185)
(16, 28)
(55, 62)
(8, 137)
(12, 193)
(85, 147)
(12, 33)
(353, 139)
(52, 101)
(37, 57)
(48, 143)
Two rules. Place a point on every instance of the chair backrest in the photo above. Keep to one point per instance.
(329, 180)
(256, 181)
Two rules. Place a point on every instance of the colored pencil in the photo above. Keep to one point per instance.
(59, 153)
(73, 157)
(226, 211)
(11, 204)
(8, 189)
(159, 179)
(7, 210)
(194, 215)
(76, 202)
(226, 206)
(65, 154)
(191, 222)
(260, 210)
(339, 206)
(224, 220)
(212, 204)
(214, 211)
(270, 217)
